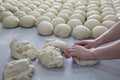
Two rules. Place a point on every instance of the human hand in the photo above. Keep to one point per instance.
(78, 52)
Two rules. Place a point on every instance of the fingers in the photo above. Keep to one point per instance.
(82, 43)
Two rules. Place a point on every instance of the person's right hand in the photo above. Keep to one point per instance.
(87, 43)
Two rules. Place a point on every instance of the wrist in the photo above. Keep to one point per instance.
(98, 42)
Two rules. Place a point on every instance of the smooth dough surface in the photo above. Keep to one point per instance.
(5, 14)
(18, 70)
(108, 23)
(50, 57)
(45, 28)
(22, 49)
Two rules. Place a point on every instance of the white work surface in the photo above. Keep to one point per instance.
(105, 70)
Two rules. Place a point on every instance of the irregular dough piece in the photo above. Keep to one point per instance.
(10, 22)
(45, 28)
(56, 43)
(62, 30)
(50, 57)
(22, 49)
(18, 70)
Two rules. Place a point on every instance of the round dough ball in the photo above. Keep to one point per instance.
(10, 22)
(111, 17)
(32, 6)
(50, 15)
(7, 6)
(5, 14)
(45, 28)
(78, 16)
(74, 22)
(108, 23)
(66, 11)
(34, 13)
(107, 9)
(52, 10)
(42, 18)
(95, 16)
(91, 23)
(80, 12)
(94, 8)
(62, 45)
(14, 9)
(50, 57)
(64, 16)
(43, 6)
(19, 14)
(39, 10)
(27, 21)
(62, 30)
(37, 3)
(18, 70)
(107, 13)
(2, 9)
(25, 2)
(98, 30)
(58, 8)
(83, 8)
(89, 13)
(20, 5)
(25, 9)
(57, 21)
(81, 32)
(22, 49)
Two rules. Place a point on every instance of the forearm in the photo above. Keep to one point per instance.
(111, 51)
(112, 34)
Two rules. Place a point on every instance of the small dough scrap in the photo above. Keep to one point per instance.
(98, 30)
(27, 21)
(18, 70)
(62, 30)
(56, 43)
(108, 23)
(11, 22)
(22, 49)
(74, 22)
(81, 32)
(45, 28)
(50, 57)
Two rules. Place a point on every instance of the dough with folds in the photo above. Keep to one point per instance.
(50, 57)
(18, 70)
(22, 49)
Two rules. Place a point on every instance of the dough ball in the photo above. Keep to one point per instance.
(58, 8)
(25, 9)
(108, 23)
(57, 21)
(107, 9)
(74, 22)
(42, 18)
(5, 14)
(93, 12)
(19, 14)
(10, 22)
(39, 10)
(20, 5)
(95, 16)
(45, 28)
(34, 13)
(27, 21)
(22, 49)
(37, 3)
(7, 6)
(2, 9)
(81, 32)
(53, 11)
(50, 57)
(83, 8)
(14, 9)
(56, 43)
(66, 11)
(107, 13)
(62, 30)
(80, 12)
(18, 70)
(32, 6)
(111, 17)
(64, 16)
(43, 6)
(98, 30)
(50, 15)
(91, 23)
(78, 16)
(85, 62)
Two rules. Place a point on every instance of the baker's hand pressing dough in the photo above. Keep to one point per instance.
(22, 49)
(50, 57)
(18, 70)
(56, 43)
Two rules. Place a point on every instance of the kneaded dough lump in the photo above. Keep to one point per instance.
(27, 21)
(62, 30)
(81, 32)
(22, 49)
(98, 30)
(18, 70)
(45, 28)
(50, 57)
(56, 43)
(10, 22)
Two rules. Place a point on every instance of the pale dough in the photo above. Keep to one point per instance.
(64, 16)
(18, 70)
(108, 23)
(34, 13)
(25, 9)
(22, 49)
(81, 32)
(50, 57)
(111, 17)
(10, 22)
(62, 30)
(5, 14)
(19, 14)
(56, 43)
(45, 28)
